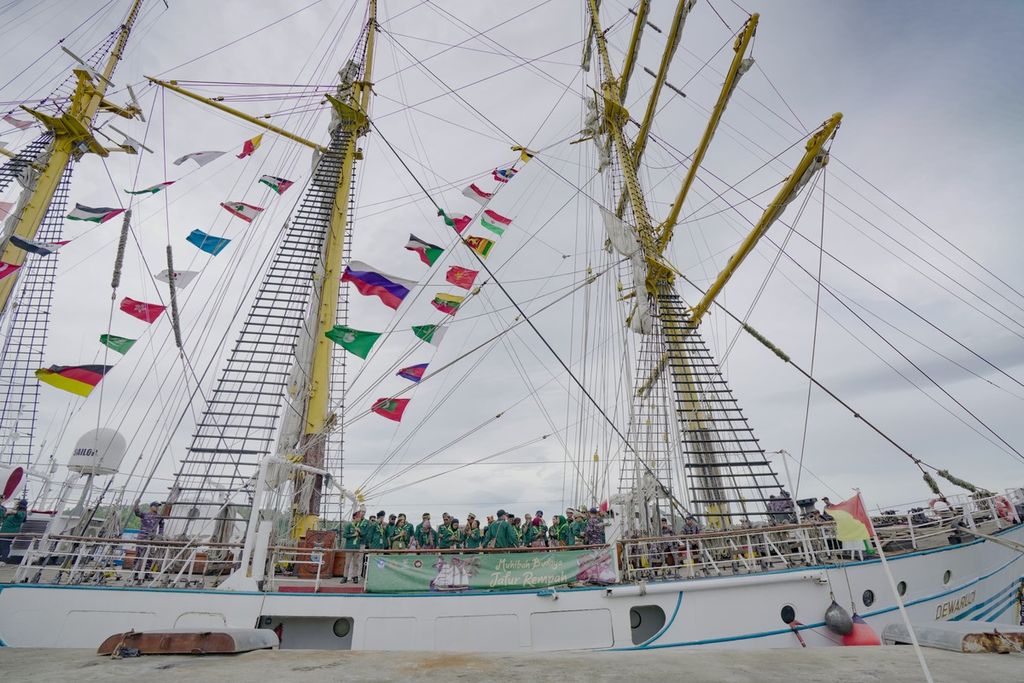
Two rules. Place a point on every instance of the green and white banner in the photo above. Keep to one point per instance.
(409, 573)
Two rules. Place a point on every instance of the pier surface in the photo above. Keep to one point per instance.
(874, 664)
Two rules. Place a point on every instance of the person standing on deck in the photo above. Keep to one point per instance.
(540, 537)
(594, 533)
(354, 534)
(578, 528)
(389, 530)
(449, 536)
(402, 534)
(556, 531)
(426, 536)
(12, 522)
(376, 538)
(474, 536)
(501, 533)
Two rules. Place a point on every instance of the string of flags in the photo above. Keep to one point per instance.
(82, 379)
(392, 290)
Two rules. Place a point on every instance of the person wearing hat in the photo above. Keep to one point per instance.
(594, 533)
(354, 533)
(578, 527)
(11, 524)
(500, 534)
(151, 522)
(389, 528)
(426, 536)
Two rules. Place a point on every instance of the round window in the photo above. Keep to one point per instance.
(788, 614)
(634, 618)
(868, 598)
(946, 577)
(901, 588)
(342, 627)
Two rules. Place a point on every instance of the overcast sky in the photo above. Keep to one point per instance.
(931, 100)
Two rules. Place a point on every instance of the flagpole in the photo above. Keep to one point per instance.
(899, 602)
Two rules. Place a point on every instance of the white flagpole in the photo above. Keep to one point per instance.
(899, 600)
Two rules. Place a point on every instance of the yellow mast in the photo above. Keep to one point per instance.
(731, 78)
(72, 137)
(813, 159)
(354, 117)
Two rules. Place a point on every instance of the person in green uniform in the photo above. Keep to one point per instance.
(555, 531)
(447, 537)
(474, 536)
(375, 533)
(12, 522)
(501, 533)
(402, 534)
(354, 533)
(389, 529)
(578, 528)
(425, 535)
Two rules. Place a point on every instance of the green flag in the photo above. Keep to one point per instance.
(354, 341)
(432, 334)
(119, 344)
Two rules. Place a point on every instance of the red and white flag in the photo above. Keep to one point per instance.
(142, 310)
(477, 195)
(20, 125)
(247, 212)
(7, 269)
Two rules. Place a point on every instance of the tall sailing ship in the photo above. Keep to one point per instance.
(653, 438)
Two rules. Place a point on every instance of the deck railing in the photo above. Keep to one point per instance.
(181, 563)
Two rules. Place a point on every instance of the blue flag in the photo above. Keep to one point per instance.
(208, 243)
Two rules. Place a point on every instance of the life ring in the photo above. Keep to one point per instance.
(1003, 508)
(935, 501)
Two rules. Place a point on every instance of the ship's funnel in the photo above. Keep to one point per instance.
(98, 451)
(10, 478)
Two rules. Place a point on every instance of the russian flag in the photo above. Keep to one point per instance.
(371, 282)
(413, 373)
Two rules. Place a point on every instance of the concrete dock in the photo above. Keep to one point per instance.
(875, 664)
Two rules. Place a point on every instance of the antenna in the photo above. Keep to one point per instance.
(96, 76)
(135, 103)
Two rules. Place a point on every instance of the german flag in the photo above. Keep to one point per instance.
(78, 379)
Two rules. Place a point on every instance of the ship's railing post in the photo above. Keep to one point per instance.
(910, 528)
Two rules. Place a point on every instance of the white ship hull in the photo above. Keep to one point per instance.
(741, 611)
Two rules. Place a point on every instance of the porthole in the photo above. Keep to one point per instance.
(901, 588)
(868, 598)
(946, 577)
(788, 614)
(634, 618)
(342, 627)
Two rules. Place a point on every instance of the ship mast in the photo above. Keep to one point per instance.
(72, 138)
(726, 471)
(233, 430)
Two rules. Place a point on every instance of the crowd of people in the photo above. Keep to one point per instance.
(501, 530)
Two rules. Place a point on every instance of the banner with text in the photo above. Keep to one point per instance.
(408, 573)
